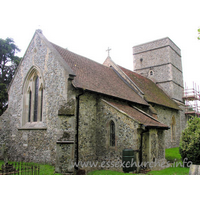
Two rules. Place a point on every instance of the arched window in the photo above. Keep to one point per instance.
(112, 133)
(33, 97)
(151, 72)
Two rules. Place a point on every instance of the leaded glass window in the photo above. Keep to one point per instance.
(33, 91)
(29, 107)
(36, 99)
(112, 133)
(41, 104)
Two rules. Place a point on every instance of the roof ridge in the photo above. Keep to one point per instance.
(77, 54)
(139, 76)
(96, 77)
(110, 63)
(131, 80)
(133, 72)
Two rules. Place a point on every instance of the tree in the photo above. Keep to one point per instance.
(199, 34)
(190, 141)
(8, 65)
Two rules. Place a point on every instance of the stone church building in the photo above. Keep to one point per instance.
(64, 108)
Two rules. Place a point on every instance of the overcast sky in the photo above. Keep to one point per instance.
(89, 27)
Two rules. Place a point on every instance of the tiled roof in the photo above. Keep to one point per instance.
(152, 93)
(96, 77)
(140, 116)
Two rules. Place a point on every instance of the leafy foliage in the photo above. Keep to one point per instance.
(3, 97)
(190, 141)
(199, 34)
(8, 65)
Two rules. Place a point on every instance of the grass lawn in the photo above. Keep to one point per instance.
(44, 169)
(108, 172)
(172, 155)
(171, 171)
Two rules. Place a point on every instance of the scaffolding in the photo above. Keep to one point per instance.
(192, 99)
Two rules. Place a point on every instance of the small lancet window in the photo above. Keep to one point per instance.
(41, 103)
(36, 99)
(151, 73)
(29, 106)
(112, 133)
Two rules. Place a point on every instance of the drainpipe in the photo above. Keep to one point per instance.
(77, 126)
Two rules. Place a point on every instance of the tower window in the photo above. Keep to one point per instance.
(151, 72)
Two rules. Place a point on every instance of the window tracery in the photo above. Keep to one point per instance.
(32, 97)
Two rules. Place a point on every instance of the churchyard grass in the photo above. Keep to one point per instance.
(44, 168)
(172, 155)
(108, 172)
(47, 170)
(171, 171)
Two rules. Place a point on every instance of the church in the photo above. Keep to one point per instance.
(64, 108)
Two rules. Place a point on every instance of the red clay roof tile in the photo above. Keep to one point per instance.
(96, 77)
(138, 115)
(152, 93)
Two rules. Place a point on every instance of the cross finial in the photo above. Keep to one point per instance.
(108, 50)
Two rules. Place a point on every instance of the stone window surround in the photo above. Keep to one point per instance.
(108, 134)
(151, 72)
(28, 86)
(112, 133)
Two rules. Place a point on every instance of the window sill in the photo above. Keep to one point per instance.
(65, 142)
(33, 126)
(112, 148)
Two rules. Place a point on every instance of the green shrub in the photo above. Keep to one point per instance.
(190, 141)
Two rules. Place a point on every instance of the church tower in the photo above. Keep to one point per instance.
(160, 61)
